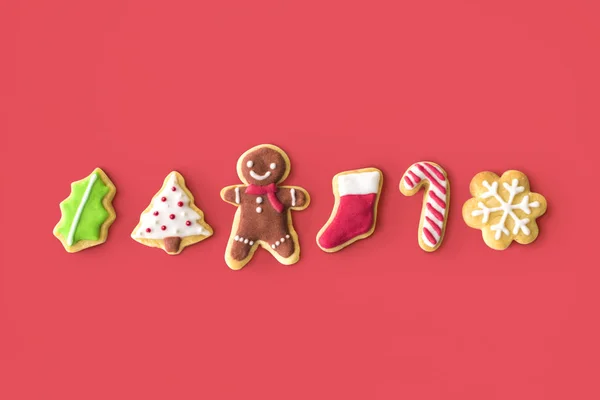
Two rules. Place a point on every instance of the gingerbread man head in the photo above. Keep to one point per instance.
(263, 165)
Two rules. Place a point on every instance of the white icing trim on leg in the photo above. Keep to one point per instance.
(359, 183)
(243, 240)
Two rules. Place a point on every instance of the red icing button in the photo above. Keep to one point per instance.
(148, 230)
(180, 204)
(188, 223)
(155, 213)
(173, 188)
(163, 198)
(164, 228)
(172, 216)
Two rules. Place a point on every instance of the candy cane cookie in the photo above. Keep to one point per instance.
(436, 201)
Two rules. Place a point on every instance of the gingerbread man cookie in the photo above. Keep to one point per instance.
(504, 208)
(264, 209)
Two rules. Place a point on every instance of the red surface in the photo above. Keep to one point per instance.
(143, 87)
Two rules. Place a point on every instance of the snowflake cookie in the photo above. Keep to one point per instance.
(503, 208)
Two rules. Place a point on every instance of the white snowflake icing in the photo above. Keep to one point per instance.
(507, 208)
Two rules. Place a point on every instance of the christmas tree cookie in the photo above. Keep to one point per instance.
(87, 213)
(172, 221)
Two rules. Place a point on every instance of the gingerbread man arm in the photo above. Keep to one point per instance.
(293, 197)
(233, 194)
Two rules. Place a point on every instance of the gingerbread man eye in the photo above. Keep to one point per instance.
(273, 165)
(250, 164)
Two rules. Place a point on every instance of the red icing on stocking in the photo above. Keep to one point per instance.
(354, 217)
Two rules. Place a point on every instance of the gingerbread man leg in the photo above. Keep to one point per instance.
(242, 243)
(282, 242)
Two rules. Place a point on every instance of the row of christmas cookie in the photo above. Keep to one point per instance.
(503, 207)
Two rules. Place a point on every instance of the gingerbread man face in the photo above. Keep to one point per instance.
(263, 166)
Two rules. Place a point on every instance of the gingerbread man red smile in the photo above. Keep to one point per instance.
(264, 208)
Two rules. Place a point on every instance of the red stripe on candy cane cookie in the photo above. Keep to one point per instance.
(429, 236)
(414, 177)
(435, 171)
(434, 225)
(431, 179)
(434, 214)
(438, 200)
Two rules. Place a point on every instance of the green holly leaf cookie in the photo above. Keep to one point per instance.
(87, 213)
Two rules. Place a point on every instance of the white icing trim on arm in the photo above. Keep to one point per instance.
(293, 193)
(237, 195)
(359, 183)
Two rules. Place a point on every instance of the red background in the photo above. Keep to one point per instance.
(140, 88)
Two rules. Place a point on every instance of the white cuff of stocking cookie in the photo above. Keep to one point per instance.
(359, 183)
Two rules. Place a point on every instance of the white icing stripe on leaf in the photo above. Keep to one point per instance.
(80, 208)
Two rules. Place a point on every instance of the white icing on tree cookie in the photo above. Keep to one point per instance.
(170, 215)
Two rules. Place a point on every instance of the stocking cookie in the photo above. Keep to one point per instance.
(354, 213)
(263, 217)
(87, 213)
(172, 221)
(504, 209)
(436, 201)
